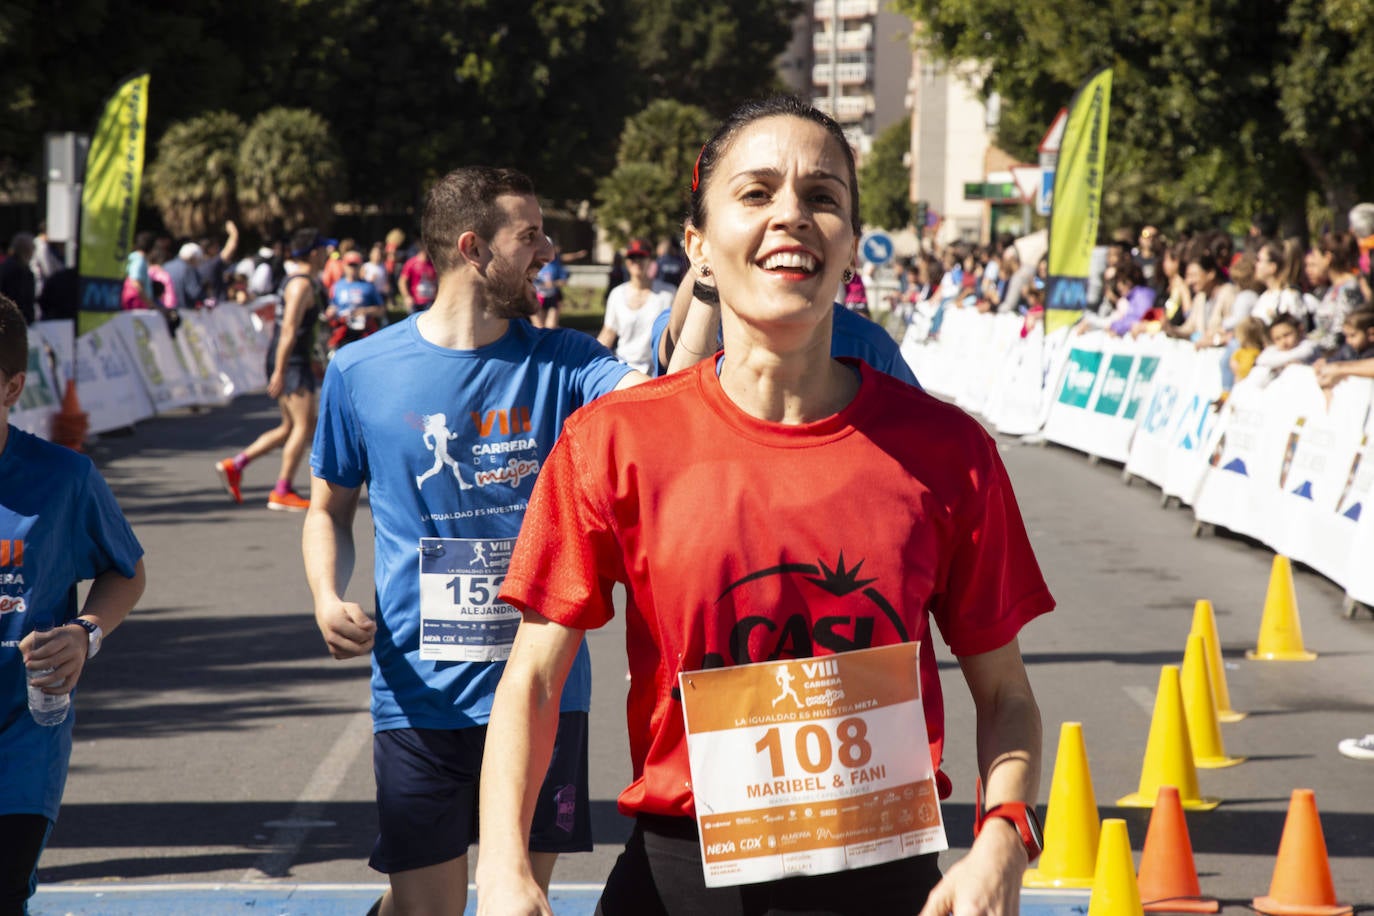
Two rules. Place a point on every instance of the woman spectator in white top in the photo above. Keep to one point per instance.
(1279, 271)
(632, 307)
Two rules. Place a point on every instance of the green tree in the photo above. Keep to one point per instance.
(711, 53)
(290, 171)
(411, 89)
(62, 58)
(1219, 107)
(649, 191)
(885, 179)
(193, 181)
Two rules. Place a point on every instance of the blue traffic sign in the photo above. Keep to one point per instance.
(877, 248)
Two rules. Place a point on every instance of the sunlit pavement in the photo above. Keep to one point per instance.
(344, 900)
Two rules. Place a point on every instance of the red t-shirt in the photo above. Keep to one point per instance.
(741, 540)
(420, 279)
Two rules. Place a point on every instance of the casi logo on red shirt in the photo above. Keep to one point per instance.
(12, 603)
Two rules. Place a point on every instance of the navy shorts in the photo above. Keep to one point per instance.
(299, 376)
(427, 788)
(660, 874)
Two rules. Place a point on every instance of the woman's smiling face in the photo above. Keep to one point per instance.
(779, 236)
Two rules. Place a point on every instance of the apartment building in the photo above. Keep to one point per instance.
(860, 62)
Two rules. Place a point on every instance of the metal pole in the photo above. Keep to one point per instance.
(835, 59)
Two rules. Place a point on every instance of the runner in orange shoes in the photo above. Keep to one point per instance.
(290, 376)
(231, 474)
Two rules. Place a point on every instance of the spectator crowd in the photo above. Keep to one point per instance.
(1262, 304)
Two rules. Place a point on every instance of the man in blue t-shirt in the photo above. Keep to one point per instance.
(59, 524)
(447, 417)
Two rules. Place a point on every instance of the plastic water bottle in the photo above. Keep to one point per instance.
(46, 708)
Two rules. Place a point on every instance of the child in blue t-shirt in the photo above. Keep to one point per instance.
(59, 524)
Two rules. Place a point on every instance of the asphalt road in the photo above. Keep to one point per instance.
(217, 742)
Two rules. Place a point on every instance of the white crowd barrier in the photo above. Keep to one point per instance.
(132, 367)
(1281, 461)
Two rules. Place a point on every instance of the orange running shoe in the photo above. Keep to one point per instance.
(230, 475)
(290, 501)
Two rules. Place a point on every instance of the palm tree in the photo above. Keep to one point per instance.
(193, 182)
(291, 172)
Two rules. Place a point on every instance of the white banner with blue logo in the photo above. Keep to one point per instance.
(1279, 459)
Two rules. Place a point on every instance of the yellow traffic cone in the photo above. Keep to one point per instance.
(1204, 732)
(1115, 892)
(1071, 820)
(1280, 635)
(1168, 752)
(1205, 622)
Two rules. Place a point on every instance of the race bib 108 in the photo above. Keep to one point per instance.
(810, 766)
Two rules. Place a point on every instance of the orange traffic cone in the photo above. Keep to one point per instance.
(1204, 732)
(70, 423)
(1114, 889)
(1071, 820)
(1168, 752)
(1168, 876)
(1205, 622)
(1301, 885)
(1280, 635)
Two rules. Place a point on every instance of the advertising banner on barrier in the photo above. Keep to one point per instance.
(1281, 460)
(1148, 458)
(196, 347)
(240, 348)
(1098, 404)
(1246, 458)
(40, 399)
(1355, 507)
(1186, 459)
(1013, 404)
(988, 357)
(112, 392)
(1316, 478)
(60, 336)
(145, 336)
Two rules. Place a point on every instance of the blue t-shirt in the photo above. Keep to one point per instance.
(350, 294)
(59, 524)
(850, 335)
(448, 443)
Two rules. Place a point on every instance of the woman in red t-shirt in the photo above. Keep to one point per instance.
(770, 503)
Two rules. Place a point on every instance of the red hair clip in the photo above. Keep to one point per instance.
(696, 170)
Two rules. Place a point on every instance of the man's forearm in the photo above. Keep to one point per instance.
(327, 547)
